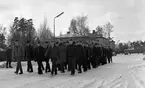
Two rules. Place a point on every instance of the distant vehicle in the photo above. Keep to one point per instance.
(128, 51)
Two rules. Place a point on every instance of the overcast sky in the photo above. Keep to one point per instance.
(127, 16)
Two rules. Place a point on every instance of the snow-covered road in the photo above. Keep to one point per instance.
(125, 72)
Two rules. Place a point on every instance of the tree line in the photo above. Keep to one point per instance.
(23, 29)
(138, 46)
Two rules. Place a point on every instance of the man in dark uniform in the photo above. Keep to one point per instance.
(47, 56)
(54, 54)
(110, 54)
(71, 54)
(79, 56)
(17, 55)
(85, 50)
(66, 62)
(9, 57)
(107, 54)
(104, 57)
(94, 63)
(98, 54)
(89, 56)
(29, 56)
(62, 54)
(39, 55)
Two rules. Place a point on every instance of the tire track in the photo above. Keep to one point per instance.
(116, 82)
(134, 71)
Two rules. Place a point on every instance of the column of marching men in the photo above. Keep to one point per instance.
(64, 56)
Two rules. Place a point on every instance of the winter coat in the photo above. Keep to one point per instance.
(85, 53)
(94, 51)
(29, 52)
(99, 52)
(17, 52)
(39, 53)
(90, 52)
(9, 54)
(79, 52)
(62, 54)
(71, 51)
(110, 52)
(47, 53)
(54, 53)
(104, 51)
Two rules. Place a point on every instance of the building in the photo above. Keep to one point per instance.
(91, 37)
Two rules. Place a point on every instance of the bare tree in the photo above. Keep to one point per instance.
(10, 35)
(73, 26)
(2, 30)
(82, 25)
(2, 36)
(99, 31)
(44, 32)
(79, 25)
(108, 27)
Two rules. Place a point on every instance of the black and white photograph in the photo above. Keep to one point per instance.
(72, 43)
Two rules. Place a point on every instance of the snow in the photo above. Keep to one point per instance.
(126, 71)
(138, 72)
(2, 64)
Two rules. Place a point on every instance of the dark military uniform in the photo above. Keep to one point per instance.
(17, 54)
(9, 57)
(110, 54)
(89, 57)
(62, 54)
(102, 58)
(94, 62)
(98, 54)
(71, 54)
(85, 58)
(29, 57)
(39, 55)
(79, 57)
(47, 56)
(54, 54)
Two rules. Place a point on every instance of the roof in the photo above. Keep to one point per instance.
(89, 36)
